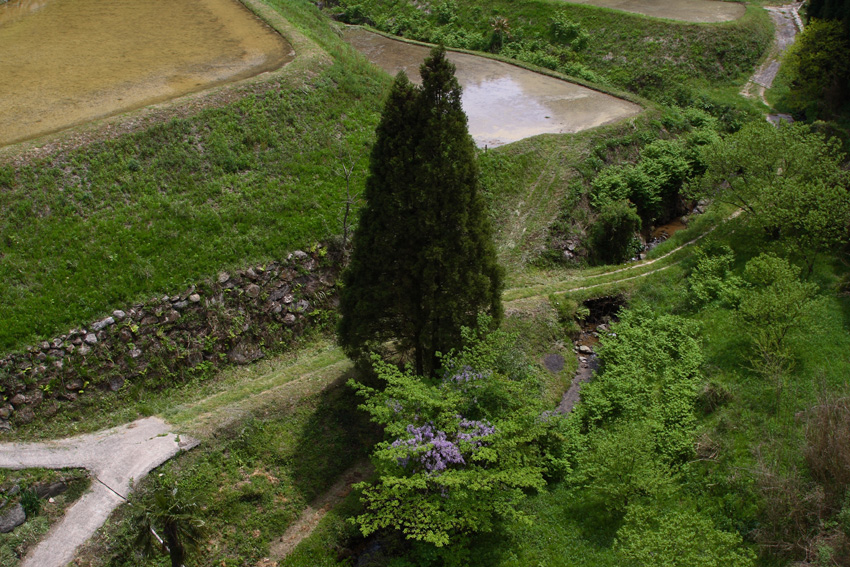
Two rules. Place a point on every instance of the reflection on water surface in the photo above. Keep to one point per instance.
(66, 62)
(504, 103)
(703, 11)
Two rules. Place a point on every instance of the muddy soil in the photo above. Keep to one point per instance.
(67, 63)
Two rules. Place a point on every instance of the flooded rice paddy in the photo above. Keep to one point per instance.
(504, 103)
(699, 11)
(66, 62)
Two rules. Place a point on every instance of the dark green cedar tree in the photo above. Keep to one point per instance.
(423, 263)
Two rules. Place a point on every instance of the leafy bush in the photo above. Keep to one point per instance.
(446, 12)
(775, 306)
(654, 183)
(620, 465)
(570, 312)
(711, 278)
(567, 31)
(819, 64)
(789, 180)
(355, 14)
(461, 450)
(612, 237)
(671, 536)
(650, 371)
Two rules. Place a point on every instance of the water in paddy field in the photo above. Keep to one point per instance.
(701, 11)
(66, 62)
(504, 103)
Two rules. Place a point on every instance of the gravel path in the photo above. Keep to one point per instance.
(116, 458)
(787, 21)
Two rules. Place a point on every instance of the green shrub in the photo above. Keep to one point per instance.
(711, 278)
(672, 536)
(461, 450)
(612, 236)
(620, 465)
(650, 373)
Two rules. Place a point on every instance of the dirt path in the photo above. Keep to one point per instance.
(314, 513)
(116, 458)
(548, 287)
(787, 21)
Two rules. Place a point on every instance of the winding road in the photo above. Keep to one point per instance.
(787, 21)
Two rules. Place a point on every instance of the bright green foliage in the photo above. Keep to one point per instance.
(620, 465)
(567, 31)
(650, 371)
(711, 277)
(653, 184)
(674, 537)
(813, 216)
(423, 263)
(491, 444)
(750, 168)
(819, 63)
(775, 306)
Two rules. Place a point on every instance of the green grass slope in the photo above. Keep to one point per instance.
(90, 230)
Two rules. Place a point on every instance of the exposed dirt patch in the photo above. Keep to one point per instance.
(311, 517)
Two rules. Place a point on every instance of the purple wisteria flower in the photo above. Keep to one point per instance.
(431, 449)
(465, 376)
(475, 432)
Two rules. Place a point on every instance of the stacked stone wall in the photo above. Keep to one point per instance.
(232, 319)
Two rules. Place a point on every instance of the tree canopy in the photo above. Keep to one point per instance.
(790, 181)
(423, 263)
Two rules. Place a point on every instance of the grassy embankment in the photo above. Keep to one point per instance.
(90, 230)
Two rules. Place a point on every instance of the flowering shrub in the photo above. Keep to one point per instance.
(461, 451)
(432, 451)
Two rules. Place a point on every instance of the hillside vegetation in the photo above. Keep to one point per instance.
(716, 431)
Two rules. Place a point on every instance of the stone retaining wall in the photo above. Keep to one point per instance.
(234, 319)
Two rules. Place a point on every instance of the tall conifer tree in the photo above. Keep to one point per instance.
(423, 263)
